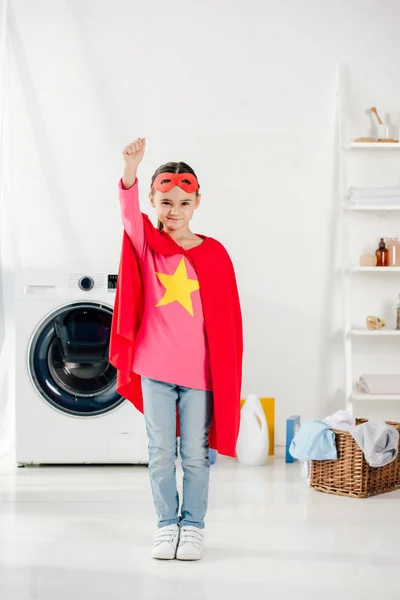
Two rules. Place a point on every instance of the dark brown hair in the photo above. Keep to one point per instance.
(172, 167)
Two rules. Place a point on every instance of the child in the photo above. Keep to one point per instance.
(176, 342)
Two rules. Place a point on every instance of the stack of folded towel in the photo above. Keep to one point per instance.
(382, 195)
(379, 384)
(315, 440)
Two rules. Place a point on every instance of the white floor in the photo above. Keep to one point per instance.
(76, 533)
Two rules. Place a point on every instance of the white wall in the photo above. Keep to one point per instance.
(244, 92)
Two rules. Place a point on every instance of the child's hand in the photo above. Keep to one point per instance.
(133, 153)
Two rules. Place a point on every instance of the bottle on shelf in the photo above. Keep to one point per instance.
(393, 247)
(382, 255)
(368, 260)
(398, 314)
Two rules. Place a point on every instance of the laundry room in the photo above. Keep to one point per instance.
(199, 299)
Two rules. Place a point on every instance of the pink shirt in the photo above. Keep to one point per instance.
(171, 345)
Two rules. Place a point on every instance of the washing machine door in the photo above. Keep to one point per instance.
(68, 360)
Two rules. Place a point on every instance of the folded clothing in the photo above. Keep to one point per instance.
(314, 441)
(379, 384)
(378, 441)
(370, 196)
(375, 192)
(375, 200)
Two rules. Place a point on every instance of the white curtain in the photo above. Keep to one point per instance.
(8, 253)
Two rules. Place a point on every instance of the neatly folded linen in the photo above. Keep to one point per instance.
(386, 192)
(375, 200)
(379, 384)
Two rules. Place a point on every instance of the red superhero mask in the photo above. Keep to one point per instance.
(166, 181)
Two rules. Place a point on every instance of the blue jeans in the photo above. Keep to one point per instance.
(195, 414)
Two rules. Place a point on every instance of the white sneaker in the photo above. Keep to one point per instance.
(166, 542)
(191, 543)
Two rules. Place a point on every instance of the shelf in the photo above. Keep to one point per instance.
(379, 333)
(355, 209)
(372, 207)
(373, 145)
(358, 269)
(358, 396)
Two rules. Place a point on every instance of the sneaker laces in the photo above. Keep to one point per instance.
(192, 536)
(165, 534)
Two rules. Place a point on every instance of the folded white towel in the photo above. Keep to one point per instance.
(375, 200)
(385, 192)
(379, 384)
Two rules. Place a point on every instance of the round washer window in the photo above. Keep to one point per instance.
(68, 360)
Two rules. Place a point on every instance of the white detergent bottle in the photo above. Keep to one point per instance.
(253, 442)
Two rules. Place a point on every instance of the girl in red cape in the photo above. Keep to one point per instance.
(176, 342)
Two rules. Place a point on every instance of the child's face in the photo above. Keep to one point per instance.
(175, 208)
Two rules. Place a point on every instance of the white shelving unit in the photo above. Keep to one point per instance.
(372, 397)
(377, 270)
(372, 146)
(350, 332)
(379, 333)
(372, 208)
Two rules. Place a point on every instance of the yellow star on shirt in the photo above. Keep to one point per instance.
(178, 287)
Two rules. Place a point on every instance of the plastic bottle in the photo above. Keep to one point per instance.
(394, 252)
(398, 315)
(253, 441)
(382, 255)
(397, 257)
(393, 247)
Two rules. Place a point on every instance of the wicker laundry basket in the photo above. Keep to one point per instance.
(350, 474)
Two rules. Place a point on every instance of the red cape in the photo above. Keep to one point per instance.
(223, 322)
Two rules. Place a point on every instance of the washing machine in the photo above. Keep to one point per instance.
(67, 407)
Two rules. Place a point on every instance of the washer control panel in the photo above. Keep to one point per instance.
(86, 283)
(105, 281)
(112, 282)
